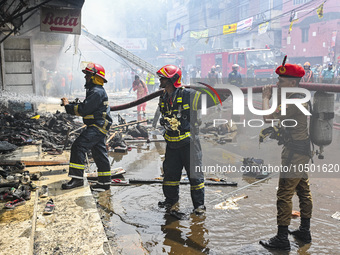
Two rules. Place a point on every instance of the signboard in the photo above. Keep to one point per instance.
(244, 25)
(60, 20)
(132, 43)
(229, 29)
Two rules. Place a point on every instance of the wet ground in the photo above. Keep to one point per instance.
(135, 224)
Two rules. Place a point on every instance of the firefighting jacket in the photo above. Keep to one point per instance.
(234, 78)
(182, 105)
(95, 109)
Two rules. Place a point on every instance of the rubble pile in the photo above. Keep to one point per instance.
(26, 128)
(220, 134)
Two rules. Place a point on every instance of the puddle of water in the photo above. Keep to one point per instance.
(135, 211)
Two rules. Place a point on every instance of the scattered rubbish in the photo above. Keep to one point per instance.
(6, 147)
(254, 168)
(114, 172)
(15, 203)
(216, 179)
(36, 176)
(336, 216)
(295, 214)
(230, 203)
(23, 128)
(44, 191)
(121, 149)
(49, 208)
(220, 134)
(117, 181)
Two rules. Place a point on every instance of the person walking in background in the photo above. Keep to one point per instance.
(142, 90)
(150, 82)
(43, 78)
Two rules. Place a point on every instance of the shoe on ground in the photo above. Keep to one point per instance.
(73, 183)
(200, 210)
(44, 191)
(49, 208)
(5, 196)
(36, 176)
(19, 192)
(32, 186)
(27, 194)
(15, 203)
(165, 204)
(100, 188)
(25, 179)
(302, 235)
(276, 243)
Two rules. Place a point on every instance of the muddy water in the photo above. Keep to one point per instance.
(135, 225)
(134, 220)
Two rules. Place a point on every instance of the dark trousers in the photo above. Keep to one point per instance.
(190, 157)
(90, 138)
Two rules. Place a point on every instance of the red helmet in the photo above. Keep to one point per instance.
(95, 69)
(171, 72)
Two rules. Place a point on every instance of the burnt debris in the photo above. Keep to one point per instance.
(27, 128)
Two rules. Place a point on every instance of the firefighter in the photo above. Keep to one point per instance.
(178, 107)
(309, 75)
(296, 153)
(234, 77)
(95, 111)
(213, 76)
(150, 82)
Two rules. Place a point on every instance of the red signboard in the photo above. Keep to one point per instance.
(60, 20)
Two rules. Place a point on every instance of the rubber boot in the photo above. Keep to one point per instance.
(303, 232)
(280, 241)
(99, 187)
(73, 183)
(166, 204)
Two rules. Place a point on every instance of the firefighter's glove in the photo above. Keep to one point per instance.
(265, 133)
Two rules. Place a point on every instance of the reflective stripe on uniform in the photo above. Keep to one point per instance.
(171, 183)
(195, 101)
(100, 129)
(179, 99)
(186, 106)
(104, 173)
(197, 187)
(76, 110)
(77, 166)
(105, 120)
(176, 138)
(89, 116)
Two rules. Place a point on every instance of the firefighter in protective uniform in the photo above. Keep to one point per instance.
(296, 154)
(234, 77)
(95, 111)
(178, 107)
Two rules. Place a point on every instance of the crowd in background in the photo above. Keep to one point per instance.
(61, 82)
